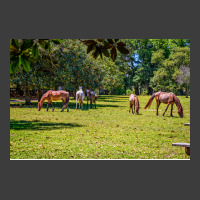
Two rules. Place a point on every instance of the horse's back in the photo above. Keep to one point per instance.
(80, 94)
(165, 97)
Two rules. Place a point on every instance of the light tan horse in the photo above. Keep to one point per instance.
(54, 96)
(79, 97)
(166, 98)
(133, 99)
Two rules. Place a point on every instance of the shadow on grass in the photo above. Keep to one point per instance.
(58, 105)
(40, 125)
(110, 101)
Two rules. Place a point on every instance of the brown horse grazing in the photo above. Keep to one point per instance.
(54, 96)
(167, 98)
(92, 96)
(133, 99)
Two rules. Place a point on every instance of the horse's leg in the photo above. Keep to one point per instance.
(52, 106)
(158, 104)
(91, 103)
(64, 106)
(82, 104)
(95, 104)
(87, 103)
(166, 109)
(130, 108)
(47, 106)
(171, 110)
(134, 107)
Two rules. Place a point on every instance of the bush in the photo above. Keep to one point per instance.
(143, 91)
(129, 92)
(118, 91)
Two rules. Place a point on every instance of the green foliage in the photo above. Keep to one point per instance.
(25, 52)
(135, 63)
(106, 47)
(164, 78)
(129, 92)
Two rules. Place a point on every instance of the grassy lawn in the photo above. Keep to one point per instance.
(107, 132)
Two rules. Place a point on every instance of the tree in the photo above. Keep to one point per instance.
(183, 78)
(76, 67)
(24, 52)
(165, 76)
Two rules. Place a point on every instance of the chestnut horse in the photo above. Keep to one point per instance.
(133, 99)
(80, 96)
(166, 98)
(54, 96)
(92, 96)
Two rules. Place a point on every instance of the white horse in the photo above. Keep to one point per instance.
(80, 96)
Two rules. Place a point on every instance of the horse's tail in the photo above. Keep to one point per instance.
(150, 101)
(82, 96)
(67, 98)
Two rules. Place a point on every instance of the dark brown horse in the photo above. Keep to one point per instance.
(166, 98)
(91, 96)
(54, 96)
(133, 99)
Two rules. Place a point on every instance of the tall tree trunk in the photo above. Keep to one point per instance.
(187, 91)
(19, 90)
(27, 91)
(136, 90)
(74, 94)
(150, 91)
(39, 93)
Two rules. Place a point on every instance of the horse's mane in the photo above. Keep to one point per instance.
(44, 95)
(137, 102)
(177, 101)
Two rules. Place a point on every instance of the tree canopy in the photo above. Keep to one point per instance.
(116, 65)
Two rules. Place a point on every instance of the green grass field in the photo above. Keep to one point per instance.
(107, 132)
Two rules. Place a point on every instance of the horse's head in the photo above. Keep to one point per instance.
(137, 109)
(87, 93)
(180, 111)
(39, 106)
